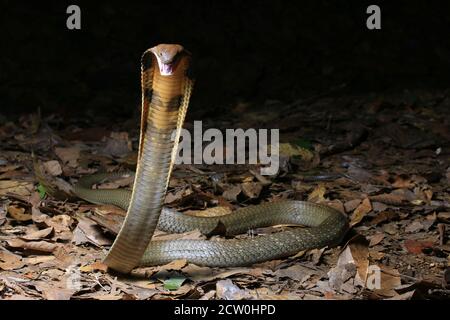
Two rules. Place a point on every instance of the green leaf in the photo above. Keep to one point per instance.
(42, 191)
(174, 283)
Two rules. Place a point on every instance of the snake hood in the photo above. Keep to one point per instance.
(168, 57)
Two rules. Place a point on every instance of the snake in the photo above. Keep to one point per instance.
(166, 87)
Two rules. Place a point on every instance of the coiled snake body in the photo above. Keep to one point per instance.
(166, 89)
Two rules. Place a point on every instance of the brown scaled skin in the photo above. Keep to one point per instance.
(167, 56)
(165, 96)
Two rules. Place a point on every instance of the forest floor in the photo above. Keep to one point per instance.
(383, 160)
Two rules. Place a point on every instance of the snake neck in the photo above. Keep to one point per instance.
(164, 106)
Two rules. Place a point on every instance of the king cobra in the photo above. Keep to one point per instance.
(166, 90)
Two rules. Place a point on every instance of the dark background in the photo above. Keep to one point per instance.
(247, 51)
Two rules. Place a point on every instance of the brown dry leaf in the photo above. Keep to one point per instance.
(209, 295)
(384, 216)
(378, 206)
(118, 144)
(54, 291)
(336, 204)
(227, 290)
(315, 255)
(390, 199)
(38, 259)
(69, 156)
(195, 272)
(353, 262)
(109, 217)
(359, 247)
(390, 279)
(376, 255)
(416, 247)
(18, 213)
(317, 195)
(232, 193)
(403, 182)
(296, 272)
(21, 188)
(441, 216)
(177, 195)
(202, 275)
(414, 227)
(10, 261)
(60, 223)
(351, 205)
(40, 234)
(9, 167)
(87, 231)
(376, 239)
(52, 167)
(251, 189)
(343, 272)
(174, 265)
(38, 246)
(96, 266)
(360, 212)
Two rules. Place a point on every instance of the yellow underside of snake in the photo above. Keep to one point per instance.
(166, 90)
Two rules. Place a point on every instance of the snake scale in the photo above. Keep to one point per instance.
(166, 90)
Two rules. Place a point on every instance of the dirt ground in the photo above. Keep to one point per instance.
(382, 159)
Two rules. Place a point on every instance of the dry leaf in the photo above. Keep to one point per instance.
(353, 262)
(96, 266)
(38, 259)
(20, 188)
(376, 239)
(296, 272)
(351, 205)
(10, 261)
(251, 189)
(390, 199)
(317, 195)
(69, 156)
(414, 227)
(384, 216)
(40, 234)
(175, 265)
(232, 193)
(390, 279)
(117, 144)
(227, 290)
(51, 291)
(52, 167)
(38, 246)
(416, 247)
(18, 213)
(88, 232)
(360, 212)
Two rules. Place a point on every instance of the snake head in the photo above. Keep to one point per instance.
(168, 57)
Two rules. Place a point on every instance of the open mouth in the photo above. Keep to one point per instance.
(166, 69)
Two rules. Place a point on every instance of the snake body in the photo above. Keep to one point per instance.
(166, 89)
